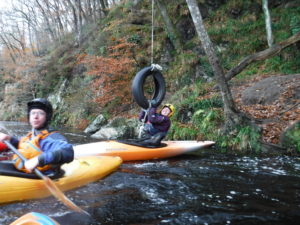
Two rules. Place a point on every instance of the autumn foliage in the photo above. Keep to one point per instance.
(112, 75)
(20, 72)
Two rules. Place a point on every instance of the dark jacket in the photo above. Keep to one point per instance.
(158, 121)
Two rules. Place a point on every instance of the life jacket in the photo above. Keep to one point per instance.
(29, 147)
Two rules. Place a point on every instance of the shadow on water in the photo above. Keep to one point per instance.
(190, 189)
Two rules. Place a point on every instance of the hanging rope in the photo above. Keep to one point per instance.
(152, 32)
(153, 67)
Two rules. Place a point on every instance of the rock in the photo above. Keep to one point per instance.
(96, 124)
(109, 133)
(118, 128)
(268, 90)
(56, 98)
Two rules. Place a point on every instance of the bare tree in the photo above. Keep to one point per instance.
(232, 116)
(58, 10)
(9, 48)
(75, 18)
(46, 19)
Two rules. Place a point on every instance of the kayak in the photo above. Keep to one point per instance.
(131, 150)
(18, 186)
(34, 218)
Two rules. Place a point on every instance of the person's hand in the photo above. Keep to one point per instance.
(4, 137)
(31, 164)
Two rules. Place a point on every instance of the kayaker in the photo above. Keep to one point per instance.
(44, 148)
(156, 125)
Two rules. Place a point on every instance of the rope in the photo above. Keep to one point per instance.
(154, 66)
(152, 32)
(143, 124)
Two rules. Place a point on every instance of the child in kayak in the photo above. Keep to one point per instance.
(156, 125)
(44, 148)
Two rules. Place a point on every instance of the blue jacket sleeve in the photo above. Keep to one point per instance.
(56, 150)
(14, 141)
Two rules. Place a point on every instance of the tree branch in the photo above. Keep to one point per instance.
(276, 48)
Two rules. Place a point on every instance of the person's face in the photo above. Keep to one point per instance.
(37, 118)
(165, 111)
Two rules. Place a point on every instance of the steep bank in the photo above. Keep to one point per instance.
(237, 29)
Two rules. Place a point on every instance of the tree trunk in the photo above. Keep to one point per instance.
(80, 21)
(57, 12)
(82, 12)
(232, 116)
(75, 19)
(89, 10)
(103, 7)
(93, 10)
(268, 23)
(171, 30)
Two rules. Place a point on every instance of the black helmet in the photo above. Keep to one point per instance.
(43, 104)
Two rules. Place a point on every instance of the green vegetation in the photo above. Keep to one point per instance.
(291, 139)
(242, 139)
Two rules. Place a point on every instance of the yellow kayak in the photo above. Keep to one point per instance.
(77, 173)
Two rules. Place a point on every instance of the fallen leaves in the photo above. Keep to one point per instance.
(275, 118)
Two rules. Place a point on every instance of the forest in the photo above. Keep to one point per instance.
(232, 68)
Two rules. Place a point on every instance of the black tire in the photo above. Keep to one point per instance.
(138, 87)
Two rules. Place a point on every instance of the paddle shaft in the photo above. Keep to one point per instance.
(36, 171)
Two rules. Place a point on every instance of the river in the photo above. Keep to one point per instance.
(190, 189)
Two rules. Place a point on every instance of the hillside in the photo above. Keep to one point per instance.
(119, 45)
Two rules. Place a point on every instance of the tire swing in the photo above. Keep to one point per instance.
(138, 86)
(139, 80)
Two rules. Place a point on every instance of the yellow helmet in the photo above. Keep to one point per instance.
(171, 107)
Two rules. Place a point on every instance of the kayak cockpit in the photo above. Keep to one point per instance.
(142, 143)
(8, 169)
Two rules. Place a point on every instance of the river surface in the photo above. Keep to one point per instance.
(190, 189)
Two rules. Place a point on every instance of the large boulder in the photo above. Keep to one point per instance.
(96, 124)
(267, 91)
(118, 128)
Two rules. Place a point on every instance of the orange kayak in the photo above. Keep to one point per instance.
(34, 218)
(130, 152)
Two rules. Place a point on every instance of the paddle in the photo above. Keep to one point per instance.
(49, 184)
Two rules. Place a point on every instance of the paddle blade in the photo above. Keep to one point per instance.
(61, 196)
